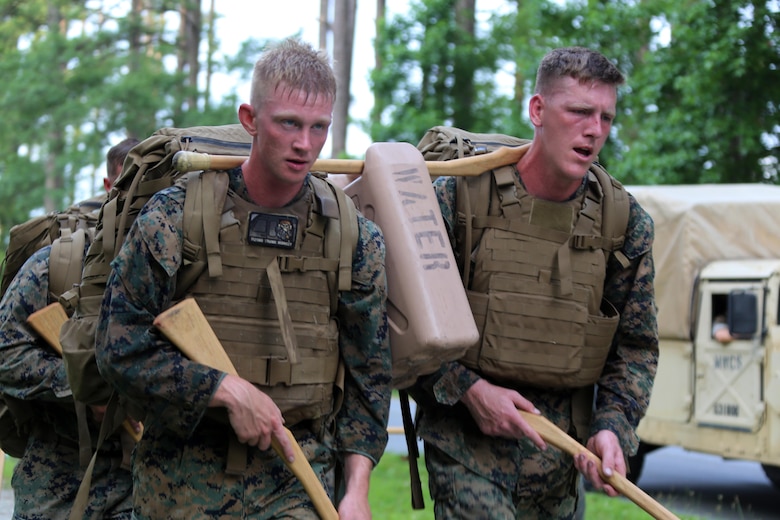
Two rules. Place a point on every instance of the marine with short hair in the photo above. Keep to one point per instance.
(205, 450)
(47, 477)
(561, 315)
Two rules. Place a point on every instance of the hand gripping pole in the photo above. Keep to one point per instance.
(187, 328)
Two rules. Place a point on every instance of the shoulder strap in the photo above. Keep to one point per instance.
(204, 201)
(474, 197)
(341, 237)
(473, 201)
(348, 240)
(616, 209)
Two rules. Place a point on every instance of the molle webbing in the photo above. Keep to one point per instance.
(272, 310)
(536, 292)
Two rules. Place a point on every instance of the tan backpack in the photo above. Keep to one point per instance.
(67, 232)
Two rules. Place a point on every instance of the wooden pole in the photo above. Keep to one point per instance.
(468, 166)
(186, 327)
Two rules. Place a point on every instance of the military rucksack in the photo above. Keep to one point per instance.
(30, 236)
(148, 169)
(68, 233)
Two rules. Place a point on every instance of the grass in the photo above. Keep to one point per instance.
(8, 468)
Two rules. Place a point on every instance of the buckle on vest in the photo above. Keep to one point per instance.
(291, 263)
(586, 242)
(278, 372)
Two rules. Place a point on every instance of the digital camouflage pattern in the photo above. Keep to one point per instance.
(179, 465)
(536, 480)
(46, 479)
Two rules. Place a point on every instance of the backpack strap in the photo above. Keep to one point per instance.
(341, 240)
(113, 418)
(206, 193)
(341, 236)
(410, 432)
(469, 214)
(140, 178)
(65, 260)
(616, 210)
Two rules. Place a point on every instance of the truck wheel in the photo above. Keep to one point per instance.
(772, 473)
(637, 462)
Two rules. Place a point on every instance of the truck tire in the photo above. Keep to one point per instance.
(637, 462)
(772, 473)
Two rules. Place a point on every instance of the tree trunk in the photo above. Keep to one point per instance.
(210, 57)
(378, 22)
(380, 17)
(463, 74)
(56, 144)
(324, 24)
(188, 55)
(343, 40)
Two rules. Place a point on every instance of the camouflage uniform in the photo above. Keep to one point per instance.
(469, 470)
(180, 464)
(46, 479)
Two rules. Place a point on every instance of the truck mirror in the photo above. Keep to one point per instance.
(742, 313)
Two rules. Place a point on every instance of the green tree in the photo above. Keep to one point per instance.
(704, 107)
(49, 74)
(79, 76)
(700, 104)
(620, 30)
(435, 68)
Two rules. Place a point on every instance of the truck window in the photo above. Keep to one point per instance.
(719, 318)
(734, 316)
(742, 314)
(720, 304)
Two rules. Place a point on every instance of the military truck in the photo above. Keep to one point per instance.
(717, 257)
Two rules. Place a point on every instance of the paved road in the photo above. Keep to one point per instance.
(695, 483)
(6, 503)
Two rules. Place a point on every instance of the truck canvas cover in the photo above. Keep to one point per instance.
(696, 224)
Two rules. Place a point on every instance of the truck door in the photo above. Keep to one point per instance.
(729, 373)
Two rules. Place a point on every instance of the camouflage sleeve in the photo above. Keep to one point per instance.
(450, 382)
(444, 188)
(29, 368)
(361, 425)
(131, 355)
(627, 379)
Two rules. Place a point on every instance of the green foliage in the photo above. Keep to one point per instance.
(706, 104)
(700, 103)
(78, 77)
(433, 72)
(8, 469)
